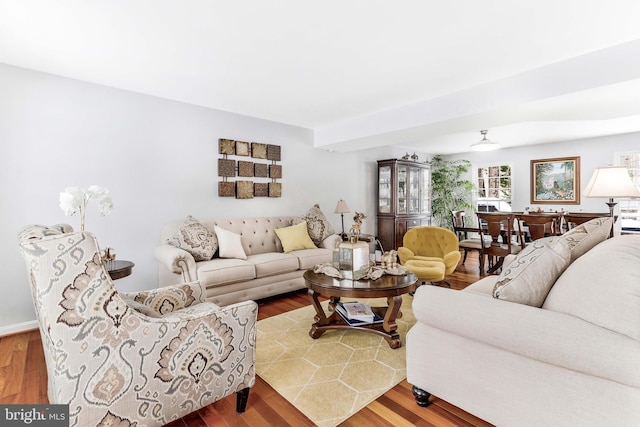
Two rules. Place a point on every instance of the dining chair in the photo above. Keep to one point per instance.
(576, 218)
(467, 240)
(500, 227)
(540, 225)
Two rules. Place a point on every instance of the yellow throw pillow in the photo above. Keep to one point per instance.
(295, 237)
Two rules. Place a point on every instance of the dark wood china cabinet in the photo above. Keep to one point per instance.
(404, 199)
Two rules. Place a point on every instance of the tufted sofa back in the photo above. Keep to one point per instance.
(258, 234)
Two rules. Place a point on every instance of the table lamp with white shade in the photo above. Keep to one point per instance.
(611, 182)
(342, 208)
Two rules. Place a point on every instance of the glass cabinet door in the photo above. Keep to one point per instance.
(425, 195)
(402, 190)
(414, 191)
(384, 189)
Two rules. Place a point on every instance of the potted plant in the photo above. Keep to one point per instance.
(449, 191)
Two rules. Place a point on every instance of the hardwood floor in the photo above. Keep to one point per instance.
(23, 379)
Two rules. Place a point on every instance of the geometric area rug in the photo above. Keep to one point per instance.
(330, 378)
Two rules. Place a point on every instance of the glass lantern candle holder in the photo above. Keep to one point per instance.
(353, 259)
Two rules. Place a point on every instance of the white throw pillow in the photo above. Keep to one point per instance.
(585, 236)
(528, 279)
(230, 244)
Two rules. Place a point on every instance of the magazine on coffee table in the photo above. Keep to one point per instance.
(357, 311)
(357, 314)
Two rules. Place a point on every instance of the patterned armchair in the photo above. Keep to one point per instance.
(134, 359)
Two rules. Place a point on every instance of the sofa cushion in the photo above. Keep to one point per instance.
(222, 271)
(528, 279)
(295, 237)
(273, 263)
(308, 258)
(603, 287)
(483, 286)
(585, 236)
(318, 225)
(230, 244)
(196, 239)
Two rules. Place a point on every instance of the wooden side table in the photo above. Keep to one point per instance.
(119, 268)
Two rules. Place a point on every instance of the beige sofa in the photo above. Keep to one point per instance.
(573, 361)
(265, 272)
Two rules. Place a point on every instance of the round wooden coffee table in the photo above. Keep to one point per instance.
(388, 286)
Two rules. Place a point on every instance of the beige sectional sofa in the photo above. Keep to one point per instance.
(264, 270)
(570, 358)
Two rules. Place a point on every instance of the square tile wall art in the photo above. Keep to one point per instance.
(244, 189)
(226, 189)
(245, 168)
(258, 150)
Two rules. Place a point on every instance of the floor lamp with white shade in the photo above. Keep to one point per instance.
(611, 182)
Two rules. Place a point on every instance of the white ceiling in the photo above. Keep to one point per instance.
(423, 75)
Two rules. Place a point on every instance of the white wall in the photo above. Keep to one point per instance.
(593, 153)
(159, 160)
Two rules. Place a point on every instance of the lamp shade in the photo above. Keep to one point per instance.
(612, 182)
(341, 207)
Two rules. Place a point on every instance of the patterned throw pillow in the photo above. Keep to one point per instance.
(530, 276)
(318, 226)
(585, 236)
(196, 239)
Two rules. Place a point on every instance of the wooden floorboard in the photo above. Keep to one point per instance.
(23, 379)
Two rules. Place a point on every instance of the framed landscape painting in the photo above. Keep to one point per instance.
(556, 181)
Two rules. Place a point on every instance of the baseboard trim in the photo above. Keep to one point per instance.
(18, 327)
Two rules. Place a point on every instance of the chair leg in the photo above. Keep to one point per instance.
(242, 397)
(465, 256)
(495, 267)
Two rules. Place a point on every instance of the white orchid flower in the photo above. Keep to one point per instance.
(75, 199)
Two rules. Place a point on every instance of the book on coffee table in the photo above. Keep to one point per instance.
(357, 313)
(354, 322)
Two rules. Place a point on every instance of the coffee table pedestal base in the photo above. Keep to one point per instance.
(387, 329)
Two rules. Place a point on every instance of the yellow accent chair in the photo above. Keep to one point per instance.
(431, 253)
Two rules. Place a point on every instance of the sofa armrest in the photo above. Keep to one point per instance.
(536, 333)
(227, 333)
(331, 242)
(162, 301)
(177, 261)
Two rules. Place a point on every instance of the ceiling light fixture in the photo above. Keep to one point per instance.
(484, 144)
